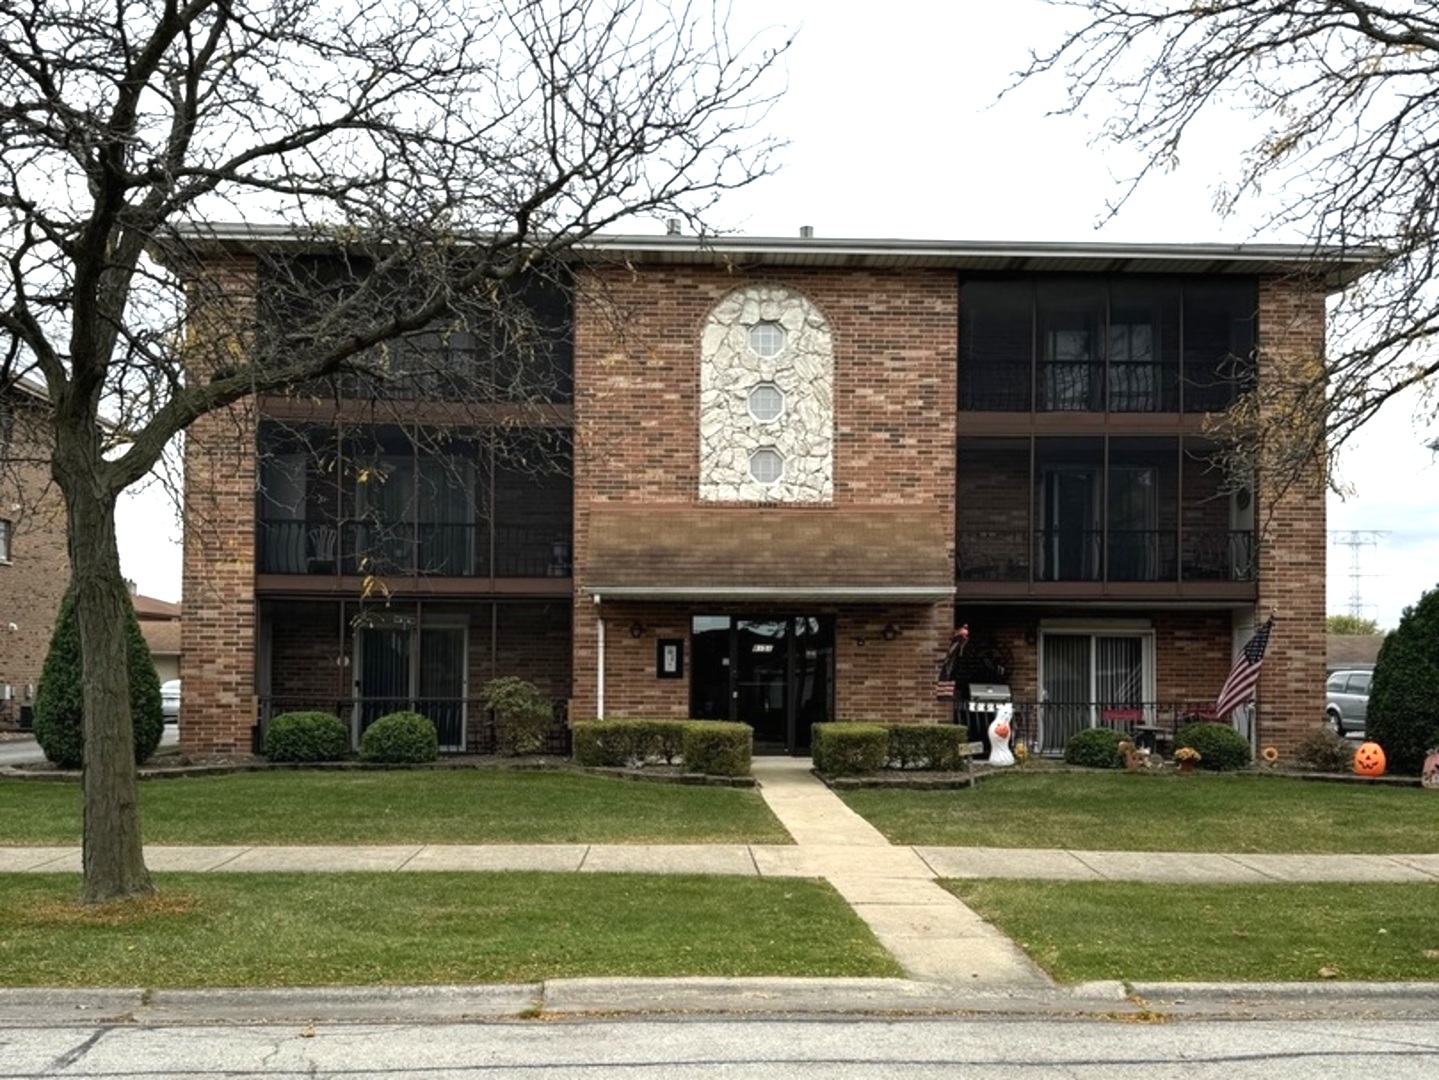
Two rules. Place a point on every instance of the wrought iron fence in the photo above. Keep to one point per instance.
(464, 725)
(1063, 554)
(1045, 727)
(426, 548)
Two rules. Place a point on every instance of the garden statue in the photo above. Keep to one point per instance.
(999, 733)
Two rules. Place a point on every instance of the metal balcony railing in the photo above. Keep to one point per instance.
(464, 725)
(426, 548)
(1045, 727)
(1071, 555)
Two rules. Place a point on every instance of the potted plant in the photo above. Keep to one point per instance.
(1186, 757)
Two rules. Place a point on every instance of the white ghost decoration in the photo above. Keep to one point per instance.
(1000, 730)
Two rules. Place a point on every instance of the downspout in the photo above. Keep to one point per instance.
(599, 665)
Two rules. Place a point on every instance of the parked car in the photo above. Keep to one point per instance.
(1347, 708)
(170, 700)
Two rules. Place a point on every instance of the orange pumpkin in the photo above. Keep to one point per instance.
(1369, 760)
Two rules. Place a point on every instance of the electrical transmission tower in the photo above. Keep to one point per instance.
(1356, 540)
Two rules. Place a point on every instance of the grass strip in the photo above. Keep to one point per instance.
(259, 930)
(1101, 811)
(378, 807)
(1225, 933)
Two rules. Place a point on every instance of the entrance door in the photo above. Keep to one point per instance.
(401, 668)
(1084, 675)
(775, 674)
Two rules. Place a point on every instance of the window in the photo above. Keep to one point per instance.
(4, 541)
(766, 466)
(766, 402)
(766, 339)
(1085, 674)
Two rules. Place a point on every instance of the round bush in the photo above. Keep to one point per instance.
(1221, 748)
(59, 709)
(1094, 748)
(1404, 696)
(306, 736)
(400, 738)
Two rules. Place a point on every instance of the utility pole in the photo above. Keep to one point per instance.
(1356, 540)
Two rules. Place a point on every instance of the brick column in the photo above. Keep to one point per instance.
(1291, 524)
(217, 637)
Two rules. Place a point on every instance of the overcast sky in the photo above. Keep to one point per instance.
(894, 132)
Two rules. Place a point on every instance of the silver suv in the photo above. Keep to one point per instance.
(1347, 708)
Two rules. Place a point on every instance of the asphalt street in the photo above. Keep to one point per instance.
(26, 751)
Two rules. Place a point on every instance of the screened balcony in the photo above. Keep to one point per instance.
(1105, 345)
(1103, 513)
(385, 503)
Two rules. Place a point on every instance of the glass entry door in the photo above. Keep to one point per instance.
(400, 667)
(774, 673)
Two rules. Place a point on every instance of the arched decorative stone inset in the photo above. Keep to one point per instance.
(803, 370)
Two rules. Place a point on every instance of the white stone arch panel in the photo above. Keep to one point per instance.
(803, 371)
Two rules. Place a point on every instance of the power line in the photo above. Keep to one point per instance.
(1356, 540)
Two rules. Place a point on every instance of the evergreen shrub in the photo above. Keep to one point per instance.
(1221, 748)
(1094, 748)
(400, 738)
(1404, 694)
(59, 708)
(306, 736)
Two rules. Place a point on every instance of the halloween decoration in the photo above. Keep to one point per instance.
(1000, 730)
(1369, 760)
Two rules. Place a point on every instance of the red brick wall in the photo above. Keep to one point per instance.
(217, 661)
(1292, 543)
(637, 356)
(34, 578)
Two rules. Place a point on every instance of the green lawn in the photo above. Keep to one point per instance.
(1078, 931)
(372, 929)
(1104, 811)
(477, 806)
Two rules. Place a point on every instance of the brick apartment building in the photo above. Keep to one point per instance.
(34, 558)
(776, 474)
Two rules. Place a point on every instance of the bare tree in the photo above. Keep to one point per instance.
(446, 149)
(1344, 100)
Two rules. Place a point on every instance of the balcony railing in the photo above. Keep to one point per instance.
(426, 548)
(464, 725)
(1046, 727)
(1130, 386)
(1060, 554)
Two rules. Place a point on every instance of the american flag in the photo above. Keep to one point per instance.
(1244, 675)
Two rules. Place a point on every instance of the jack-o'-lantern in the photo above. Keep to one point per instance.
(1369, 760)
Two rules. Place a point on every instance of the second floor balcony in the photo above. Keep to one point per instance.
(410, 549)
(1101, 516)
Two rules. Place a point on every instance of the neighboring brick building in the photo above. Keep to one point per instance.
(34, 558)
(776, 474)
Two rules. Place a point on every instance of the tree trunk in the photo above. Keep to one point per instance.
(114, 861)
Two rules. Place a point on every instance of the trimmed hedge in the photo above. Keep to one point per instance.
(306, 736)
(1325, 751)
(59, 709)
(400, 738)
(931, 747)
(717, 748)
(705, 746)
(1221, 748)
(1094, 748)
(845, 749)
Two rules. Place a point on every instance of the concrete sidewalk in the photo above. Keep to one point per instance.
(892, 888)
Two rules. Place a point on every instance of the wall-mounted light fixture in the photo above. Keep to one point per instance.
(636, 630)
(890, 632)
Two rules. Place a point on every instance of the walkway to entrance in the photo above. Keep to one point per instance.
(927, 929)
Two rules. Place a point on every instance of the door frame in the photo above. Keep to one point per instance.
(413, 625)
(791, 686)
